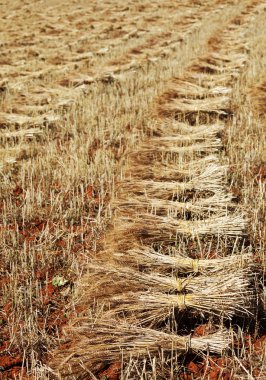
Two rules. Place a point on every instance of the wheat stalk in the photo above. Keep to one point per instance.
(219, 203)
(169, 169)
(211, 179)
(115, 340)
(152, 308)
(218, 105)
(156, 228)
(150, 258)
(169, 126)
(122, 279)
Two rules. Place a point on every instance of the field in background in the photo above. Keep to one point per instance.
(80, 87)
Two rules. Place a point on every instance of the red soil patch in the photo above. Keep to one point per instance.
(220, 368)
(203, 330)
(112, 372)
(259, 345)
(15, 373)
(213, 369)
(7, 361)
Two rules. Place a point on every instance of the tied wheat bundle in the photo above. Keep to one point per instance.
(27, 133)
(171, 261)
(211, 179)
(207, 80)
(218, 203)
(166, 168)
(234, 58)
(116, 279)
(237, 46)
(184, 130)
(174, 144)
(154, 228)
(181, 140)
(182, 133)
(154, 151)
(216, 63)
(182, 88)
(219, 105)
(115, 340)
(203, 66)
(154, 308)
(11, 120)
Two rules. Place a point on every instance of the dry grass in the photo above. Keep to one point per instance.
(170, 260)
(81, 145)
(116, 342)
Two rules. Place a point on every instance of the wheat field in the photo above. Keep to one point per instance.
(133, 190)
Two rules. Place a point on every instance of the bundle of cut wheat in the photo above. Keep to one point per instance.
(151, 309)
(219, 203)
(219, 105)
(222, 62)
(171, 169)
(11, 120)
(211, 179)
(155, 228)
(116, 340)
(181, 88)
(184, 131)
(178, 144)
(204, 147)
(201, 74)
(27, 133)
(172, 261)
(131, 279)
(227, 58)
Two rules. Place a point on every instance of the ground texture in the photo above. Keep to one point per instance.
(132, 204)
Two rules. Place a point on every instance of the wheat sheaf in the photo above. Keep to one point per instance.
(140, 286)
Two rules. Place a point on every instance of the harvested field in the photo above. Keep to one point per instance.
(132, 163)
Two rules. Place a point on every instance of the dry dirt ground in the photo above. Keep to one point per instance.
(132, 199)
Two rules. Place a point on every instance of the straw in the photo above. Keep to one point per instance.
(160, 261)
(123, 282)
(114, 341)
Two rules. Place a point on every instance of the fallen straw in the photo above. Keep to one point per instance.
(116, 340)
